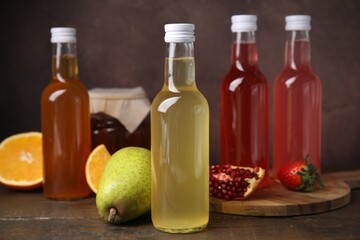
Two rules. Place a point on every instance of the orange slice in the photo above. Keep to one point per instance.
(95, 165)
(21, 161)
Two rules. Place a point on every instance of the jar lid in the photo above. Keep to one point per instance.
(298, 22)
(179, 32)
(63, 35)
(243, 23)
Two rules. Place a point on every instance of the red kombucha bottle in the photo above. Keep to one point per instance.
(297, 100)
(244, 102)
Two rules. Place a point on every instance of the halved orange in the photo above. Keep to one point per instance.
(95, 165)
(21, 161)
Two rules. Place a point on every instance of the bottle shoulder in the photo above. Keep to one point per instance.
(163, 94)
(65, 89)
(247, 77)
(182, 99)
(300, 75)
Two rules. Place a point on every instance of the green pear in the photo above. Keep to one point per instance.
(124, 191)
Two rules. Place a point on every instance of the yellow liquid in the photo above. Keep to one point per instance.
(180, 154)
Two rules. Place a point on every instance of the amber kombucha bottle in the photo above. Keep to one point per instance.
(65, 122)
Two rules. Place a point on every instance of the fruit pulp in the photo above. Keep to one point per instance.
(180, 154)
(297, 110)
(244, 130)
(66, 132)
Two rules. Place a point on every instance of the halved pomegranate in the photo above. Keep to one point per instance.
(234, 182)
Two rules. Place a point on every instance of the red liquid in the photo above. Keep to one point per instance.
(244, 111)
(297, 109)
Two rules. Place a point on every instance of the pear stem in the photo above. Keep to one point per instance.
(112, 214)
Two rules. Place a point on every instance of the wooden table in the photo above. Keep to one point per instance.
(29, 215)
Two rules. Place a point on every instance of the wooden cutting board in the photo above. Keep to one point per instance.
(275, 200)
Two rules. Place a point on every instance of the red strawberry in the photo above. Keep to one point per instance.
(299, 176)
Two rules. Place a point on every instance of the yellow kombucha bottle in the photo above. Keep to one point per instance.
(180, 141)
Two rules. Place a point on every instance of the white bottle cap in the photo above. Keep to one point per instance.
(243, 23)
(298, 22)
(63, 35)
(179, 32)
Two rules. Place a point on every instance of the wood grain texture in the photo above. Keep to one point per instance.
(29, 215)
(352, 178)
(275, 200)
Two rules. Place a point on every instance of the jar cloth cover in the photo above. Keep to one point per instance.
(129, 105)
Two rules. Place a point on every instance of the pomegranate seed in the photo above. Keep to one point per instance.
(229, 182)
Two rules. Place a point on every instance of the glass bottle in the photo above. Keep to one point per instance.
(65, 122)
(244, 108)
(297, 100)
(180, 140)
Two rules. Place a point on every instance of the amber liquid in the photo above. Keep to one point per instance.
(297, 109)
(244, 111)
(66, 132)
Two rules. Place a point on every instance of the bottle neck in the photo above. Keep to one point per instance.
(179, 66)
(244, 50)
(297, 49)
(64, 62)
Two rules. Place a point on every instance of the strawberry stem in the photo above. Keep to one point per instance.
(309, 176)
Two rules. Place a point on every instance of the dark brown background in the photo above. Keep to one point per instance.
(120, 44)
